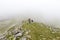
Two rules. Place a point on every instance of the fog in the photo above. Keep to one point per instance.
(42, 10)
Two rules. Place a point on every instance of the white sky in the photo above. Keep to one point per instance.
(49, 10)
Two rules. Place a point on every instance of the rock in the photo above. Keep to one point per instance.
(19, 34)
(23, 38)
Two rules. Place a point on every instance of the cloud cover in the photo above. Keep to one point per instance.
(48, 10)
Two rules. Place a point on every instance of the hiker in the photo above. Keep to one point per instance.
(29, 20)
(32, 20)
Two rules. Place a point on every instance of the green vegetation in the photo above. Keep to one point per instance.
(32, 31)
(40, 31)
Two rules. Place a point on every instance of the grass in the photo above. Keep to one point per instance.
(39, 31)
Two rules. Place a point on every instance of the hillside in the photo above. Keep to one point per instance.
(31, 31)
(40, 31)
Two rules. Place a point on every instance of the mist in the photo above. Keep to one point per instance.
(41, 10)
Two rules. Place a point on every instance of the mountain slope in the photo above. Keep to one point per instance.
(31, 31)
(40, 31)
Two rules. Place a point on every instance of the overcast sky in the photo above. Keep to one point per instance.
(48, 10)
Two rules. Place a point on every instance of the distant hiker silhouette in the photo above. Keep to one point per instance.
(30, 21)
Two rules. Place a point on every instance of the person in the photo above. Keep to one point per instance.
(32, 20)
(29, 20)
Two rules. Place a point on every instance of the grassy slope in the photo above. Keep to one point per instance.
(39, 31)
(4, 25)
